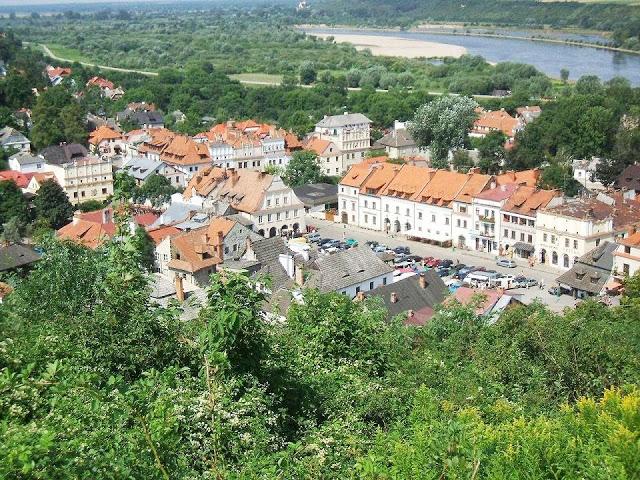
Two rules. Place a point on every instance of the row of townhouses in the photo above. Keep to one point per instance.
(504, 214)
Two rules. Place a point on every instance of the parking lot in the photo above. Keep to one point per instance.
(540, 273)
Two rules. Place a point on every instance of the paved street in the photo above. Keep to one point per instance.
(539, 272)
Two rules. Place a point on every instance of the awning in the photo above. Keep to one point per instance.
(525, 247)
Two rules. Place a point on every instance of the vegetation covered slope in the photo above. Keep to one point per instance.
(97, 382)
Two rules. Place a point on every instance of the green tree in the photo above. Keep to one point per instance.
(12, 203)
(308, 73)
(90, 206)
(157, 189)
(302, 169)
(13, 231)
(564, 75)
(461, 161)
(143, 243)
(52, 205)
(491, 152)
(57, 118)
(442, 125)
(124, 186)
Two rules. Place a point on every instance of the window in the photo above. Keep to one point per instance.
(384, 281)
(565, 260)
(277, 201)
(575, 244)
(463, 209)
(344, 204)
(353, 219)
(366, 218)
(513, 234)
(419, 215)
(278, 216)
(75, 194)
(506, 232)
(373, 220)
(295, 212)
(286, 214)
(269, 217)
(259, 218)
(566, 242)
(553, 239)
(366, 204)
(407, 212)
(446, 220)
(522, 237)
(544, 237)
(373, 205)
(529, 238)
(104, 191)
(353, 206)
(433, 218)
(342, 189)
(268, 202)
(597, 242)
(370, 285)
(398, 210)
(554, 258)
(627, 249)
(386, 208)
(625, 269)
(357, 289)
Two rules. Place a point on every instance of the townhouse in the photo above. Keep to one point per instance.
(262, 199)
(12, 139)
(434, 213)
(518, 218)
(349, 192)
(106, 142)
(107, 88)
(351, 134)
(246, 144)
(486, 208)
(495, 121)
(568, 231)
(329, 157)
(462, 208)
(626, 257)
(369, 198)
(399, 143)
(398, 206)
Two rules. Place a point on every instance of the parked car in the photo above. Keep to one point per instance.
(372, 244)
(446, 262)
(463, 272)
(381, 248)
(414, 258)
(402, 263)
(402, 249)
(352, 242)
(314, 237)
(433, 263)
(506, 262)
(523, 282)
(557, 291)
(443, 272)
(322, 241)
(457, 267)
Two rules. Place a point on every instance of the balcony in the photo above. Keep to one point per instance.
(490, 220)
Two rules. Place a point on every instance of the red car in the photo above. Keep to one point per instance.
(433, 263)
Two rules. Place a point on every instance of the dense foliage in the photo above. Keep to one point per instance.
(97, 381)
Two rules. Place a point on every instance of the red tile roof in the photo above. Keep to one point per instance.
(103, 133)
(488, 298)
(498, 194)
(159, 234)
(100, 82)
(528, 200)
(496, 120)
(20, 179)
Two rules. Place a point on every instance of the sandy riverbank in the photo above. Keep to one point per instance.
(396, 46)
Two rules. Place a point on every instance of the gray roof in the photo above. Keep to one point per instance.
(61, 154)
(346, 268)
(317, 194)
(10, 136)
(176, 212)
(397, 138)
(244, 221)
(410, 296)
(142, 117)
(16, 255)
(343, 120)
(267, 252)
(592, 270)
(24, 158)
(142, 168)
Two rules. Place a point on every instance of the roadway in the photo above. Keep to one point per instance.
(542, 273)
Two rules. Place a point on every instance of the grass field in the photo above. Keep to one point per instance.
(66, 52)
(258, 78)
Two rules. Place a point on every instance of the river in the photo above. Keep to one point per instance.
(549, 58)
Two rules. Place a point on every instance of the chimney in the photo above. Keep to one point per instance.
(394, 297)
(179, 288)
(299, 276)
(220, 245)
(360, 297)
(422, 281)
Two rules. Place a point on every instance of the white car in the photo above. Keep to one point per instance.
(506, 262)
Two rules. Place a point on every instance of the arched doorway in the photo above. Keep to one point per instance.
(396, 226)
(565, 261)
(461, 241)
(387, 225)
(345, 217)
(284, 230)
(543, 256)
(296, 227)
(554, 258)
(272, 232)
(261, 232)
(407, 227)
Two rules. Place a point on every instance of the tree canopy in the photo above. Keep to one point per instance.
(302, 169)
